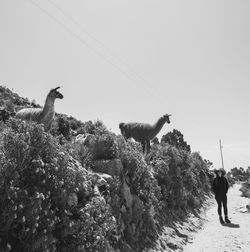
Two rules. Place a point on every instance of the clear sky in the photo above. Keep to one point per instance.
(118, 60)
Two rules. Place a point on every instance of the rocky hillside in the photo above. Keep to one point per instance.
(82, 188)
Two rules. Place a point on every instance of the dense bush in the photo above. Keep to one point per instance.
(10, 99)
(37, 182)
(176, 139)
(105, 147)
(49, 202)
(183, 178)
(238, 174)
(146, 191)
(64, 127)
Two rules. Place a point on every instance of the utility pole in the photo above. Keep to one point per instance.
(221, 155)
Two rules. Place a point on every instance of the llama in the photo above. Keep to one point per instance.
(43, 115)
(143, 132)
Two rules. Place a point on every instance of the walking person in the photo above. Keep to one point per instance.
(220, 188)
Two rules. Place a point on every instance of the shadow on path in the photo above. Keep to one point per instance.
(231, 225)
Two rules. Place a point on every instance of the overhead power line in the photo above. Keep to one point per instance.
(158, 94)
(103, 45)
(101, 55)
(148, 88)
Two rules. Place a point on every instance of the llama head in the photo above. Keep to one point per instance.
(121, 126)
(166, 118)
(55, 94)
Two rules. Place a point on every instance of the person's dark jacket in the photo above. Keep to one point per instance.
(220, 186)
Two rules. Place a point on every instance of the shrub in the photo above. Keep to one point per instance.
(49, 202)
(105, 147)
(146, 193)
(64, 127)
(37, 179)
(176, 139)
(182, 176)
(94, 128)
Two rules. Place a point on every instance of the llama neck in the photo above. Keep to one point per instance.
(158, 126)
(49, 106)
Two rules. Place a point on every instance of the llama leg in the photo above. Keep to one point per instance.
(147, 146)
(124, 135)
(143, 146)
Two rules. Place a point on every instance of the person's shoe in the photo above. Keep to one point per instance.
(227, 220)
(221, 220)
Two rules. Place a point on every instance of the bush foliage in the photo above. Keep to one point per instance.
(183, 178)
(37, 180)
(50, 200)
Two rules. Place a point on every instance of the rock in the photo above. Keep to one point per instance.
(101, 178)
(96, 191)
(112, 167)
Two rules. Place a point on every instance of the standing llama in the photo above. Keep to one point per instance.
(43, 115)
(143, 132)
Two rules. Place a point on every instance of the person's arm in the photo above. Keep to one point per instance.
(227, 185)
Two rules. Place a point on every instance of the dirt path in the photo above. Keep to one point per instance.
(214, 237)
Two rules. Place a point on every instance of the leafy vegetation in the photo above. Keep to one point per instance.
(239, 174)
(51, 200)
(176, 139)
(37, 181)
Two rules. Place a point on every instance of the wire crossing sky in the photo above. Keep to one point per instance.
(119, 61)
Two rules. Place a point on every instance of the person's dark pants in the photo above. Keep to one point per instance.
(221, 200)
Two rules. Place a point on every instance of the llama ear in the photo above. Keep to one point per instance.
(169, 114)
(56, 88)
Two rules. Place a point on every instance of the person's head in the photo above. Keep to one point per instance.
(219, 173)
